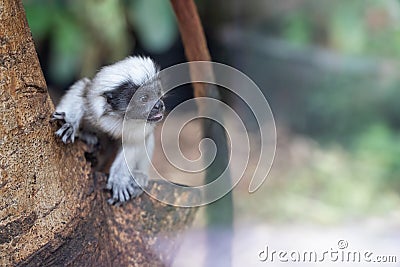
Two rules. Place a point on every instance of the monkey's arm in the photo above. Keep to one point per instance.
(70, 111)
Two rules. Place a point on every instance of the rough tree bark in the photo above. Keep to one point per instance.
(53, 209)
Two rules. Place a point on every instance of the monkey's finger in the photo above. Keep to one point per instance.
(131, 190)
(115, 193)
(121, 196)
(114, 202)
(61, 114)
(57, 116)
(67, 128)
(63, 128)
(67, 135)
(126, 194)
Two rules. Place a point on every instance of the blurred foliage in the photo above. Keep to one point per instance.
(333, 61)
(155, 22)
(364, 27)
(379, 150)
(297, 28)
(77, 37)
(333, 184)
(330, 71)
(341, 107)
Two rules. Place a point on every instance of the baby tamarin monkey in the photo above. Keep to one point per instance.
(129, 89)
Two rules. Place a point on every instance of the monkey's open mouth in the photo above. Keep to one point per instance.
(155, 117)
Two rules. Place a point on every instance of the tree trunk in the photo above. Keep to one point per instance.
(53, 209)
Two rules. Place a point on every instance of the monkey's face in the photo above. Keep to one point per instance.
(137, 102)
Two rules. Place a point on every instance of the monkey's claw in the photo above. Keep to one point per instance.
(126, 188)
(58, 116)
(66, 133)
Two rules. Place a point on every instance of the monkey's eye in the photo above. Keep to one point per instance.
(108, 96)
(144, 98)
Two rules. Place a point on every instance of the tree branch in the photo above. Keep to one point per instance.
(219, 213)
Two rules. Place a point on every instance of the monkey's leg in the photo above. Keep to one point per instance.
(123, 184)
(70, 111)
(89, 138)
(144, 155)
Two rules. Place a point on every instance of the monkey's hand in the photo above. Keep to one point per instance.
(67, 131)
(70, 111)
(125, 187)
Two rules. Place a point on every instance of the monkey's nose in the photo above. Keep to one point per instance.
(159, 105)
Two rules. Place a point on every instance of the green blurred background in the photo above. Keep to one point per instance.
(329, 69)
